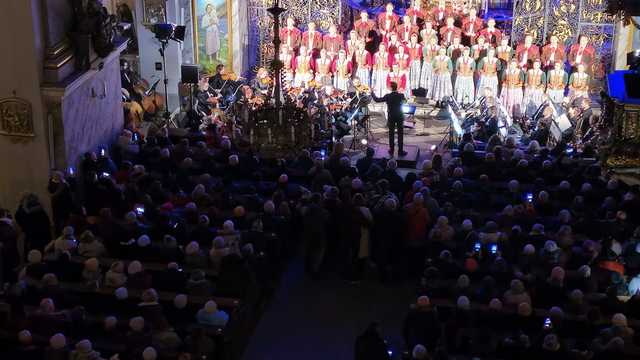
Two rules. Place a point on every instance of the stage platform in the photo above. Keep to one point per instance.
(430, 127)
(409, 161)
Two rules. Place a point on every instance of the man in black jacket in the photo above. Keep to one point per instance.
(395, 117)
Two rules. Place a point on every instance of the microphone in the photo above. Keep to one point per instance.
(152, 89)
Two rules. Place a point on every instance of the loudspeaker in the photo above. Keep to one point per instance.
(190, 74)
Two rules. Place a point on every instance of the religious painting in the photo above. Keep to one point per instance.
(154, 11)
(16, 117)
(212, 29)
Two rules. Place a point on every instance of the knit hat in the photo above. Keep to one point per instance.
(91, 264)
(149, 353)
(423, 301)
(463, 303)
(144, 241)
(134, 267)
(390, 204)
(210, 307)
(576, 295)
(283, 179)
(180, 301)
(419, 352)
(234, 160)
(57, 341)
(564, 185)
(514, 185)
(191, 206)
(495, 304)
(34, 256)
(110, 322)
(136, 323)
(524, 309)
(619, 320)
(121, 293)
(471, 265)
(529, 249)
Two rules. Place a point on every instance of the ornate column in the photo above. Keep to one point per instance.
(58, 58)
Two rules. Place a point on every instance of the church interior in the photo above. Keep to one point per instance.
(289, 179)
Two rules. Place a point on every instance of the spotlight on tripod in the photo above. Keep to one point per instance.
(164, 33)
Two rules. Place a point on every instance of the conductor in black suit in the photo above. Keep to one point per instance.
(395, 117)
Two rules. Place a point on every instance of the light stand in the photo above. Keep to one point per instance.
(166, 115)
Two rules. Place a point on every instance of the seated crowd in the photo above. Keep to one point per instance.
(169, 247)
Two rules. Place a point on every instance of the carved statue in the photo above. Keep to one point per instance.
(91, 21)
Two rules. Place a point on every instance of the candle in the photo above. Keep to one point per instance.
(251, 137)
(269, 134)
(312, 131)
(293, 134)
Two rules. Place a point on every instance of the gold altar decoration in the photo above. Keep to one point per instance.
(322, 12)
(16, 118)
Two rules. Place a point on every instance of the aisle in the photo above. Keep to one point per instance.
(320, 320)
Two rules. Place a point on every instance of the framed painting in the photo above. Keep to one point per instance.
(212, 29)
(154, 11)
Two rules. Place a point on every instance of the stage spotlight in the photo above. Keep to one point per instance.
(166, 32)
(364, 142)
(433, 147)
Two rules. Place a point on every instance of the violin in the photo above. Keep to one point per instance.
(228, 76)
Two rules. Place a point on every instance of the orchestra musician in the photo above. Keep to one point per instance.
(527, 53)
(262, 83)
(511, 95)
(552, 53)
(557, 80)
(332, 42)
(290, 35)
(464, 88)
(449, 32)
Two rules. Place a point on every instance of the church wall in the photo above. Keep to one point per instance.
(24, 165)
